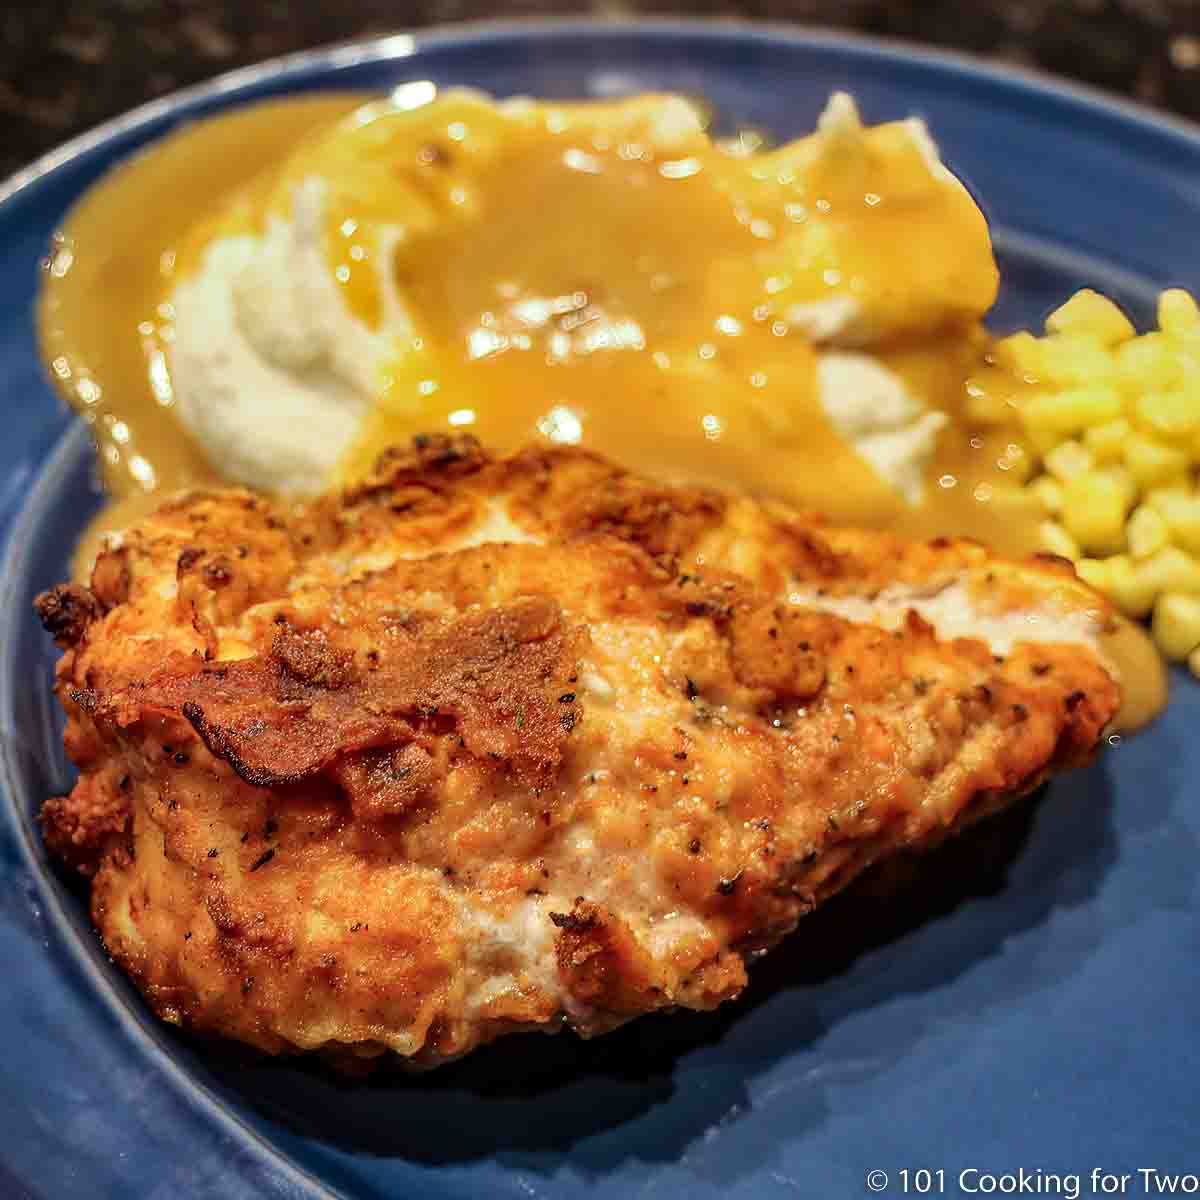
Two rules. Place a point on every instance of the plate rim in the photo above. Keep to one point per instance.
(409, 42)
(396, 47)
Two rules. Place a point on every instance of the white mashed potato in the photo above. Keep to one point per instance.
(870, 407)
(274, 376)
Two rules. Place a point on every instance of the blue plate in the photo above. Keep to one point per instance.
(1028, 1003)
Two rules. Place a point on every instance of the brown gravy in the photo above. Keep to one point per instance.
(676, 399)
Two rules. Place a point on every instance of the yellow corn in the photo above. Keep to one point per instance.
(1072, 411)
(1151, 463)
(1127, 586)
(1176, 624)
(1177, 313)
(1111, 421)
(1094, 508)
(1095, 572)
(1172, 570)
(1054, 539)
(1069, 459)
(1020, 354)
(1074, 361)
(1089, 312)
(1148, 363)
(1123, 480)
(1107, 441)
(1181, 513)
(1169, 414)
(1177, 489)
(1049, 491)
(1146, 532)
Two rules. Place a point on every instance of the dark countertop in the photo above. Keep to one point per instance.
(66, 66)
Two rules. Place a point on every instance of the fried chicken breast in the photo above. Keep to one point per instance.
(495, 744)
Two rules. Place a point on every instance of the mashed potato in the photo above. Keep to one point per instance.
(272, 374)
(275, 367)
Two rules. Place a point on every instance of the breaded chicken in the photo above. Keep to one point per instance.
(491, 744)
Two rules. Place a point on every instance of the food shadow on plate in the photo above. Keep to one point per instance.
(529, 1097)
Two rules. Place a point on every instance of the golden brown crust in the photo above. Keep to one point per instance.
(505, 743)
(65, 611)
(494, 678)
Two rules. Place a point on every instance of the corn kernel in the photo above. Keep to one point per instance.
(1021, 353)
(1073, 410)
(1054, 539)
(1089, 312)
(1169, 414)
(1148, 363)
(1181, 514)
(1123, 479)
(1177, 313)
(1171, 570)
(1146, 532)
(1180, 488)
(1069, 459)
(1095, 572)
(1070, 360)
(1107, 441)
(1094, 508)
(1187, 355)
(1049, 491)
(1151, 463)
(1128, 587)
(1176, 625)
(1194, 663)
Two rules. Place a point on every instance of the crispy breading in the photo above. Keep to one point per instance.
(491, 744)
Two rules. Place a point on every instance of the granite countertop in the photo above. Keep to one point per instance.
(66, 66)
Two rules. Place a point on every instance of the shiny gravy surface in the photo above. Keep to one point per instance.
(570, 284)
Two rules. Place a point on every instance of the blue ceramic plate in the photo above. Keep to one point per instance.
(1029, 1003)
